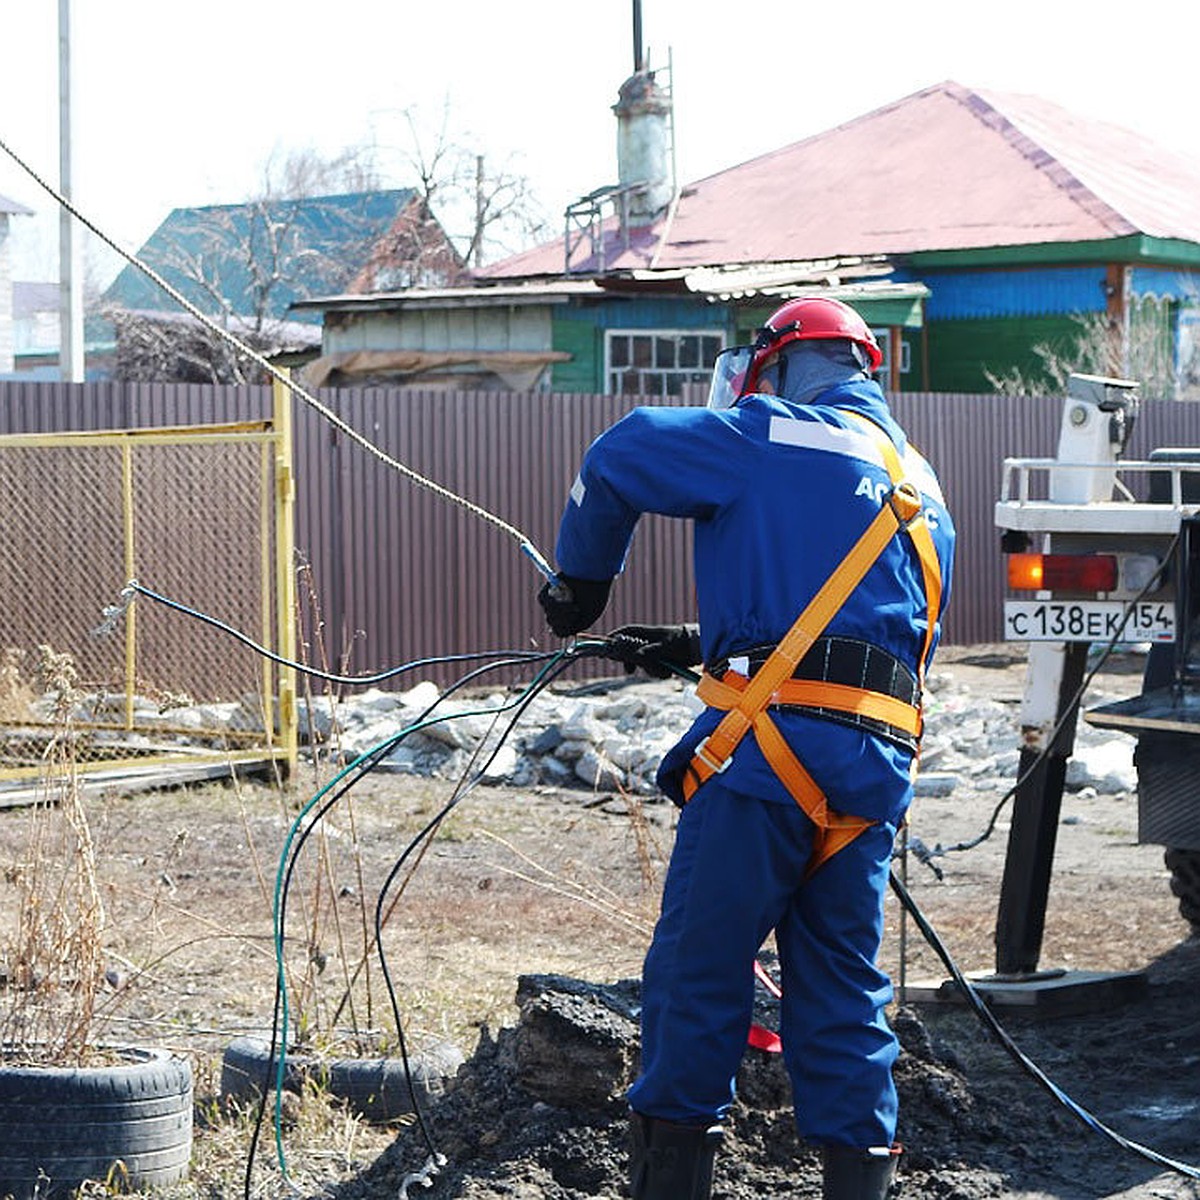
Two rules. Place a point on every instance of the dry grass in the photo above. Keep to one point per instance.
(53, 970)
(16, 696)
(321, 1144)
(148, 919)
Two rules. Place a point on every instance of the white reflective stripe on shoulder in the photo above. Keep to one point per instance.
(921, 473)
(578, 491)
(816, 435)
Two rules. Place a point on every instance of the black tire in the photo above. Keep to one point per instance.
(1184, 866)
(246, 1071)
(377, 1088)
(374, 1088)
(129, 1124)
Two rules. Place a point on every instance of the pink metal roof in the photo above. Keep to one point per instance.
(946, 168)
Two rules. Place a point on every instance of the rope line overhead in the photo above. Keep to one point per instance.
(525, 543)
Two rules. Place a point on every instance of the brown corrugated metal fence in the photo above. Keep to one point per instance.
(399, 573)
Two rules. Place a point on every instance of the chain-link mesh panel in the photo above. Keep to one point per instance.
(191, 518)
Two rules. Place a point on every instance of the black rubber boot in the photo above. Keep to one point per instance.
(669, 1161)
(852, 1174)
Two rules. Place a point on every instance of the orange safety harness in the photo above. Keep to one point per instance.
(745, 701)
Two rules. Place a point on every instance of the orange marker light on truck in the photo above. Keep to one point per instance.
(1025, 572)
(1062, 572)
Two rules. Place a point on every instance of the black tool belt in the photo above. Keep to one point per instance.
(847, 661)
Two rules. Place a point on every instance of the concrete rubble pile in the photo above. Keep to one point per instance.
(610, 736)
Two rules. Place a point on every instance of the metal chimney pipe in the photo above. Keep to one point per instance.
(643, 111)
(638, 63)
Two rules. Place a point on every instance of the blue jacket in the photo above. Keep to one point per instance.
(778, 493)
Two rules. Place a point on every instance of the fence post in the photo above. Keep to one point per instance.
(285, 549)
(128, 527)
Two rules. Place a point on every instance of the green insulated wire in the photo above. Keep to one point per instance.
(282, 873)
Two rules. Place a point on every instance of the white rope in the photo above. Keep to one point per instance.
(526, 545)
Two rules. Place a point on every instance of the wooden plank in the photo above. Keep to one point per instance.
(1046, 994)
(1161, 709)
(137, 779)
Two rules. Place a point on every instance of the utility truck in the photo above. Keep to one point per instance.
(1100, 552)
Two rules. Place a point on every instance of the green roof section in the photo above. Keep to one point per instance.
(904, 308)
(1136, 248)
(260, 257)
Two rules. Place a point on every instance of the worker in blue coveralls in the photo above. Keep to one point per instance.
(823, 553)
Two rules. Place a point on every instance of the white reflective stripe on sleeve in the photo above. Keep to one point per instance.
(921, 473)
(816, 435)
(578, 491)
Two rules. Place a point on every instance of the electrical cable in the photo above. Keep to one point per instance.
(924, 854)
(295, 840)
(985, 1014)
(351, 774)
(133, 587)
(544, 678)
(525, 544)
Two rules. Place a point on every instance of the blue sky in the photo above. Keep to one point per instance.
(184, 106)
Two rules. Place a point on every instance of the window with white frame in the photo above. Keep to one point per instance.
(658, 362)
(891, 348)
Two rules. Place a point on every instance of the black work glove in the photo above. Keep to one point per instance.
(655, 648)
(571, 605)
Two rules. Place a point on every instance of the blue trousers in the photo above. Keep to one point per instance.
(736, 874)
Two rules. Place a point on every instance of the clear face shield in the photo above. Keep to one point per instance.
(729, 376)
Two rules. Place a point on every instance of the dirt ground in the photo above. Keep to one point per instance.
(565, 884)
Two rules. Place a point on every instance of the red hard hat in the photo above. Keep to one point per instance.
(811, 317)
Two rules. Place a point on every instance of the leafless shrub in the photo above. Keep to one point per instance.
(1143, 353)
(174, 348)
(53, 965)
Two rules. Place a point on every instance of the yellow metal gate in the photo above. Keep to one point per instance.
(202, 514)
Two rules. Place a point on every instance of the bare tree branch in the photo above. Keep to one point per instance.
(1144, 352)
(241, 264)
(488, 210)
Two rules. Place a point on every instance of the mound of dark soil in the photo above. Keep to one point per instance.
(538, 1112)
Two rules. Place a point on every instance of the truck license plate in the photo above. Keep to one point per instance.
(1087, 621)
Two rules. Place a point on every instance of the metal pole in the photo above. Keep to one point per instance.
(285, 551)
(1055, 673)
(70, 273)
(129, 527)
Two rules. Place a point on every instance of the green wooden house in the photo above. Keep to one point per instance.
(988, 239)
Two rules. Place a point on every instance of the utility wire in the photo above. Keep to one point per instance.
(133, 588)
(298, 834)
(525, 544)
(925, 854)
(303, 826)
(518, 707)
(985, 1014)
